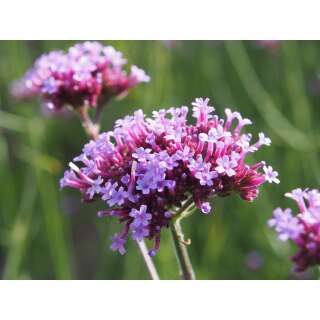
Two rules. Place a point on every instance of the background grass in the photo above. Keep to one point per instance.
(46, 233)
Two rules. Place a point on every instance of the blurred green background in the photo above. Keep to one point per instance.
(46, 233)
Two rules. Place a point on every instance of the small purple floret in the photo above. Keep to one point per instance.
(205, 207)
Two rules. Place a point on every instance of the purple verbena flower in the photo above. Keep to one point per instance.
(142, 154)
(205, 207)
(303, 229)
(107, 190)
(117, 197)
(95, 187)
(139, 232)
(118, 244)
(271, 176)
(141, 216)
(151, 166)
(263, 140)
(205, 176)
(285, 224)
(87, 74)
(201, 110)
(226, 165)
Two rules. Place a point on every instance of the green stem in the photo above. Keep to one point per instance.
(100, 107)
(147, 260)
(180, 243)
(91, 129)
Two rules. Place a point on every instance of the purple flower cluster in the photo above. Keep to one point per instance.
(87, 74)
(146, 168)
(303, 229)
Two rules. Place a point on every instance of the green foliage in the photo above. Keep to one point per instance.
(46, 233)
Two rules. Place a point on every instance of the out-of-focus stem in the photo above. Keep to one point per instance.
(148, 260)
(180, 243)
(100, 107)
(91, 129)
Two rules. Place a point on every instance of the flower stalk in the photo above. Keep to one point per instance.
(91, 129)
(148, 260)
(180, 243)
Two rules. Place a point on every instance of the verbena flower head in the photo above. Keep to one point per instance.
(87, 74)
(146, 168)
(303, 229)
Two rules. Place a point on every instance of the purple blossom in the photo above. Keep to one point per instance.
(91, 168)
(242, 122)
(206, 176)
(214, 134)
(126, 179)
(244, 143)
(151, 176)
(197, 165)
(118, 244)
(235, 156)
(285, 224)
(205, 207)
(152, 253)
(139, 232)
(117, 197)
(185, 155)
(141, 216)
(297, 194)
(226, 165)
(303, 229)
(168, 214)
(69, 179)
(263, 140)
(313, 197)
(142, 154)
(201, 110)
(270, 175)
(168, 162)
(88, 150)
(138, 75)
(87, 74)
(95, 187)
(146, 168)
(145, 184)
(107, 190)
